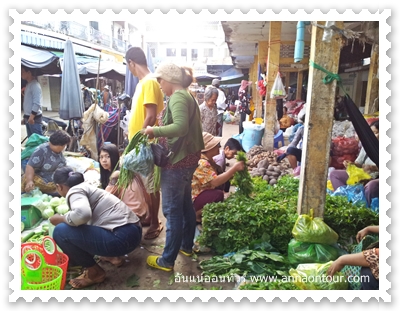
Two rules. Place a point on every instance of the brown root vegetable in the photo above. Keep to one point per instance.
(270, 167)
(272, 182)
(262, 171)
(266, 178)
(263, 163)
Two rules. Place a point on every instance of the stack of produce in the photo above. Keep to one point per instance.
(263, 163)
(342, 149)
(49, 206)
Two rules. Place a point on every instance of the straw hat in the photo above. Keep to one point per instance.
(210, 141)
(169, 72)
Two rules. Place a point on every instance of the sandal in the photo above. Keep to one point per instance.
(83, 280)
(152, 262)
(153, 234)
(187, 254)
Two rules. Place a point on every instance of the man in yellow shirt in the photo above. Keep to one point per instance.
(147, 103)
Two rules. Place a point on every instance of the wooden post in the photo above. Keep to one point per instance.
(262, 57)
(254, 92)
(274, 49)
(373, 82)
(299, 84)
(318, 123)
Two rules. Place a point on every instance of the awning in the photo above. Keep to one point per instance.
(110, 70)
(44, 61)
(230, 74)
(46, 42)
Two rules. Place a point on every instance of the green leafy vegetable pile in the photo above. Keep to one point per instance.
(235, 223)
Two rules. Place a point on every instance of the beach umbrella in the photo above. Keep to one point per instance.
(71, 101)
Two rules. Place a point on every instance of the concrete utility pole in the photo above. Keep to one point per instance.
(319, 121)
(274, 49)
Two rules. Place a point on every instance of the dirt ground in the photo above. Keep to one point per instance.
(135, 267)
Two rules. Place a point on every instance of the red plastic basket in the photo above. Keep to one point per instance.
(51, 255)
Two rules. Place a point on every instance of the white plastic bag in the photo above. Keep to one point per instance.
(278, 89)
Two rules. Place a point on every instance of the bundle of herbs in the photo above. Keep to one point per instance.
(259, 259)
(233, 224)
(242, 179)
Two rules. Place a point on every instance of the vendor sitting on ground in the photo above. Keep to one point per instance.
(98, 223)
(285, 121)
(339, 177)
(46, 158)
(294, 150)
(367, 259)
(231, 148)
(209, 177)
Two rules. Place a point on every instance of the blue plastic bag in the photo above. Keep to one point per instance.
(354, 193)
(251, 137)
(140, 161)
(375, 205)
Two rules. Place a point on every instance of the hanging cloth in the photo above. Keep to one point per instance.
(361, 126)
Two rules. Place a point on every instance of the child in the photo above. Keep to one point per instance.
(231, 148)
(133, 196)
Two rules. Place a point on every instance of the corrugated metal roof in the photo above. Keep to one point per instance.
(54, 44)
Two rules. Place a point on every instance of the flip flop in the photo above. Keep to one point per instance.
(187, 254)
(152, 262)
(84, 280)
(153, 234)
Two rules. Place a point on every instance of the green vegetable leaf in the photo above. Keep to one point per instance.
(133, 281)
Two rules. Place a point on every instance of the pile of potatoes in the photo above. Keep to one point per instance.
(263, 163)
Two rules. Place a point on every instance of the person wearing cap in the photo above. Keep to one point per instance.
(208, 179)
(179, 130)
(209, 112)
(147, 103)
(221, 105)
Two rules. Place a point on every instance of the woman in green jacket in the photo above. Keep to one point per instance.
(180, 130)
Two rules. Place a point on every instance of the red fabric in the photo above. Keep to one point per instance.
(262, 90)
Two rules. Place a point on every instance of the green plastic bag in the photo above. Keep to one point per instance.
(313, 276)
(313, 230)
(33, 141)
(304, 252)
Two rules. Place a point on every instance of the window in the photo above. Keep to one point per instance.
(184, 52)
(171, 52)
(208, 52)
(194, 54)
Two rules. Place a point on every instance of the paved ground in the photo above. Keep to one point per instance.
(135, 264)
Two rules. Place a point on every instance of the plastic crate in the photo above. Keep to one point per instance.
(30, 215)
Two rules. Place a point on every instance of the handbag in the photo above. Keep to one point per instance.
(160, 154)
